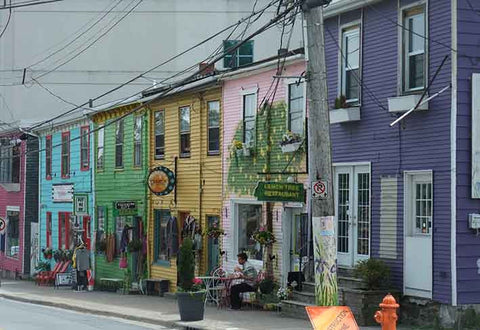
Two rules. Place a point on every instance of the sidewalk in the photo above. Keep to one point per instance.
(149, 309)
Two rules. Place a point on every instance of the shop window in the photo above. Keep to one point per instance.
(162, 217)
(120, 223)
(84, 148)
(249, 220)
(13, 245)
(49, 229)
(101, 219)
(65, 234)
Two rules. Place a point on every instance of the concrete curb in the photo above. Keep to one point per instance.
(170, 324)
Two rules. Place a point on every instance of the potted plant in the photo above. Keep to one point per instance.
(47, 253)
(291, 142)
(190, 292)
(341, 102)
(214, 231)
(264, 237)
(135, 245)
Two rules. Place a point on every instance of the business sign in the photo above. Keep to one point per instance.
(62, 193)
(80, 203)
(125, 208)
(331, 318)
(3, 225)
(161, 181)
(280, 192)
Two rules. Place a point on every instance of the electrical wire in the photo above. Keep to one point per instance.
(55, 95)
(153, 68)
(8, 21)
(476, 11)
(28, 3)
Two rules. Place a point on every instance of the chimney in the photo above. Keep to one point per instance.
(206, 69)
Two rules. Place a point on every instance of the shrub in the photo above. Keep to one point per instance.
(374, 272)
(186, 265)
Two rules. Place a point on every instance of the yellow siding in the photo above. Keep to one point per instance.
(199, 177)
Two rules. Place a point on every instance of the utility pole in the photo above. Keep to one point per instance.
(320, 159)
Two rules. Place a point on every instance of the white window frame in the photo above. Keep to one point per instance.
(410, 179)
(100, 146)
(402, 49)
(7, 254)
(242, 96)
(344, 31)
(162, 156)
(213, 152)
(234, 227)
(137, 141)
(288, 82)
(185, 154)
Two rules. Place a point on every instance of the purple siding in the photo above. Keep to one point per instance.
(420, 143)
(468, 245)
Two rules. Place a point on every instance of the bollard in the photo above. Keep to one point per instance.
(387, 317)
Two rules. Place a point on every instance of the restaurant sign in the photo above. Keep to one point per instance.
(161, 181)
(125, 208)
(280, 192)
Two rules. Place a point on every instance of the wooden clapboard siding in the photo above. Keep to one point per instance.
(199, 176)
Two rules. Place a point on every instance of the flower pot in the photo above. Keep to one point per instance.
(291, 147)
(247, 152)
(239, 152)
(191, 305)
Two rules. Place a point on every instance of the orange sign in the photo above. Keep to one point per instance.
(161, 181)
(332, 318)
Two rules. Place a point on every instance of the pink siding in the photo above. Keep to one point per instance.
(232, 116)
(14, 199)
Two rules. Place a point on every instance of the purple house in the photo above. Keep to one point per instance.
(408, 193)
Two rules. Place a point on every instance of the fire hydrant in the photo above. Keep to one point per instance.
(387, 317)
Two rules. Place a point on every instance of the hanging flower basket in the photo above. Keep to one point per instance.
(291, 147)
(264, 237)
(215, 232)
(291, 142)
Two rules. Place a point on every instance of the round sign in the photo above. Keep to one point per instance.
(319, 187)
(161, 181)
(3, 225)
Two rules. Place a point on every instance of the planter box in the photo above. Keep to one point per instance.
(291, 147)
(247, 152)
(191, 305)
(344, 115)
(364, 303)
(406, 102)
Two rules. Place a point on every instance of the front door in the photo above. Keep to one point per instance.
(295, 238)
(352, 213)
(418, 234)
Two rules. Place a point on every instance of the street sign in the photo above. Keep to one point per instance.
(3, 225)
(319, 189)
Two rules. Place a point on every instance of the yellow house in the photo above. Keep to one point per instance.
(185, 144)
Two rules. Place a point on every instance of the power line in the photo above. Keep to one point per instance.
(181, 83)
(53, 94)
(92, 43)
(8, 21)
(27, 3)
(476, 11)
(79, 36)
(155, 67)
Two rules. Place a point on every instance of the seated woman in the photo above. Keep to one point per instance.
(247, 275)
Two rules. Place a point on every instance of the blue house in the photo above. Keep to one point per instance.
(66, 183)
(408, 193)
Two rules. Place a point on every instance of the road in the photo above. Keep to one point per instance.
(21, 316)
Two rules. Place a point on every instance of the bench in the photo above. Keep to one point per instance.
(110, 284)
(157, 286)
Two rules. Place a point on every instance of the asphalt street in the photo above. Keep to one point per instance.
(21, 316)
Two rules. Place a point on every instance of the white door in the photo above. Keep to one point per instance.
(352, 213)
(295, 239)
(418, 234)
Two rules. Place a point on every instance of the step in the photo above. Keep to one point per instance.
(308, 287)
(351, 282)
(345, 272)
(294, 309)
(303, 296)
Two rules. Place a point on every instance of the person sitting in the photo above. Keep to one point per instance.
(248, 274)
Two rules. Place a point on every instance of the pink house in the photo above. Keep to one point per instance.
(18, 201)
(260, 105)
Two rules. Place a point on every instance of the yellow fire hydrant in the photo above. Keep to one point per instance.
(387, 317)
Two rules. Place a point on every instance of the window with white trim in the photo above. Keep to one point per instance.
(100, 144)
(13, 235)
(414, 49)
(249, 118)
(243, 55)
(213, 127)
(137, 141)
(119, 144)
(296, 105)
(159, 134)
(419, 203)
(249, 219)
(9, 162)
(185, 132)
(350, 59)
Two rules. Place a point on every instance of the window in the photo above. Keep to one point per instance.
(350, 58)
(48, 157)
(65, 154)
(9, 162)
(86, 235)
(213, 127)
(238, 57)
(100, 143)
(185, 132)
(101, 219)
(159, 134)
(49, 229)
(84, 148)
(419, 188)
(120, 223)
(414, 46)
(13, 245)
(249, 118)
(119, 144)
(65, 234)
(296, 105)
(137, 141)
(249, 221)
(162, 218)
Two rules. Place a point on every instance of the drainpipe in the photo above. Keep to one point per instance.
(203, 224)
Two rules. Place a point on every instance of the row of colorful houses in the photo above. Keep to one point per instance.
(406, 195)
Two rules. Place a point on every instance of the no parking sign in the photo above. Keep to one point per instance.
(319, 189)
(3, 225)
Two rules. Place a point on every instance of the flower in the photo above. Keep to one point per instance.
(290, 137)
(214, 231)
(237, 144)
(264, 237)
(284, 293)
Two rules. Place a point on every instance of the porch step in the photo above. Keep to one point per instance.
(351, 282)
(308, 287)
(305, 297)
(345, 272)
(294, 309)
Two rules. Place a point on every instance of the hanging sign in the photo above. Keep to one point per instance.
(332, 318)
(62, 193)
(3, 225)
(280, 192)
(125, 208)
(161, 181)
(319, 189)
(80, 204)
